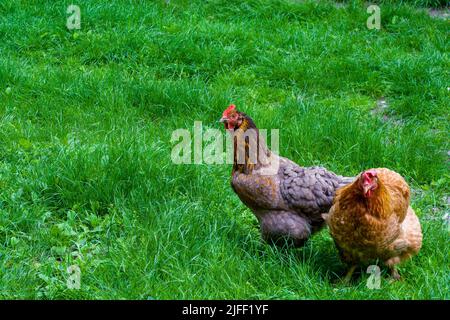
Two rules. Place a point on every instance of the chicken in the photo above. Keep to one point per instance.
(371, 219)
(287, 199)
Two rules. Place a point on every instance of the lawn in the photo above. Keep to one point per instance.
(86, 119)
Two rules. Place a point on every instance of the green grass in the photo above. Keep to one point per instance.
(86, 118)
(420, 3)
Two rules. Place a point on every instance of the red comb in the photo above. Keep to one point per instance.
(369, 174)
(227, 111)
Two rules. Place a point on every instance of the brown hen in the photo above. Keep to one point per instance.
(371, 219)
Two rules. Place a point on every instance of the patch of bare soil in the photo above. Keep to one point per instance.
(439, 13)
(381, 110)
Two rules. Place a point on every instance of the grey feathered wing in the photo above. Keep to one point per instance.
(310, 191)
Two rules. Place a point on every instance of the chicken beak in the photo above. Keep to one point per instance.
(366, 188)
(223, 119)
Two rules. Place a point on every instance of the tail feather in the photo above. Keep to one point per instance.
(345, 181)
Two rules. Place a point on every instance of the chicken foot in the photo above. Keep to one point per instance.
(349, 274)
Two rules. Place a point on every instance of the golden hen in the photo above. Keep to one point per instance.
(371, 219)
